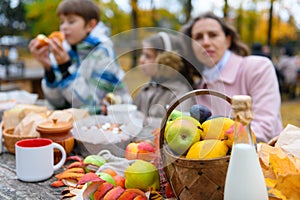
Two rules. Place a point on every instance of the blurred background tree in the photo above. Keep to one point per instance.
(41, 16)
(12, 17)
(30, 17)
(256, 20)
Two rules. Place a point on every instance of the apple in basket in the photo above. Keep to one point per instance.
(182, 133)
(175, 114)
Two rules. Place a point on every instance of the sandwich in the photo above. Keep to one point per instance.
(44, 40)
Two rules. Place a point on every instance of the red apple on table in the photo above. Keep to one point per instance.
(140, 150)
(119, 180)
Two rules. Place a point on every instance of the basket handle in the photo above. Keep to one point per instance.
(192, 93)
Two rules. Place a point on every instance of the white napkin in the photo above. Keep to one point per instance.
(20, 96)
(289, 140)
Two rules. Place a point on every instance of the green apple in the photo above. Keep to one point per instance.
(182, 133)
(93, 162)
(142, 175)
(107, 177)
(175, 114)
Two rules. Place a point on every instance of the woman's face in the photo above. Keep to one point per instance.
(147, 61)
(74, 28)
(209, 41)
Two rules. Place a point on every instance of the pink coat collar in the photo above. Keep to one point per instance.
(230, 71)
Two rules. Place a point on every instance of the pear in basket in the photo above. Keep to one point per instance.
(215, 128)
(182, 133)
(207, 149)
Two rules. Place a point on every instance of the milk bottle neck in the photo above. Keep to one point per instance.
(243, 134)
(242, 115)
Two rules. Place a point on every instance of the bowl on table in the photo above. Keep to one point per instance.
(98, 132)
(10, 139)
(122, 113)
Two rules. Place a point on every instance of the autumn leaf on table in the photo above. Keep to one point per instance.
(89, 177)
(282, 166)
(289, 186)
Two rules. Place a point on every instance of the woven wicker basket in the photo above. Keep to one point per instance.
(193, 179)
(10, 139)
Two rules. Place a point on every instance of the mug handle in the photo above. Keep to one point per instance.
(63, 158)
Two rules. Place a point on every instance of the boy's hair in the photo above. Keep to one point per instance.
(84, 8)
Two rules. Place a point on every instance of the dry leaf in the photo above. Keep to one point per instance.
(270, 183)
(89, 177)
(289, 186)
(281, 172)
(70, 182)
(282, 166)
(275, 194)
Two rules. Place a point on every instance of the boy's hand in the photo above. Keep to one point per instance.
(40, 53)
(60, 54)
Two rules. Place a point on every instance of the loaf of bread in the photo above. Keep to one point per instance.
(12, 117)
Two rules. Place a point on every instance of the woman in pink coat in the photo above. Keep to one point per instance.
(225, 65)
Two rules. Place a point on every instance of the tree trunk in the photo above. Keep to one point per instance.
(239, 19)
(270, 24)
(188, 10)
(134, 15)
(226, 9)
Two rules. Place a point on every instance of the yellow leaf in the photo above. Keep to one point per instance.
(269, 173)
(282, 166)
(264, 153)
(270, 183)
(275, 194)
(289, 186)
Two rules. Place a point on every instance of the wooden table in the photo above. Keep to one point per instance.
(12, 188)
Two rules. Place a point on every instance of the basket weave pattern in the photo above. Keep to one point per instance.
(10, 139)
(194, 179)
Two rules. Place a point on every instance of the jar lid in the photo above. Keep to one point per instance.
(54, 126)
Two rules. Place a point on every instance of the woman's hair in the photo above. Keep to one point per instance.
(288, 50)
(237, 46)
(169, 51)
(84, 8)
